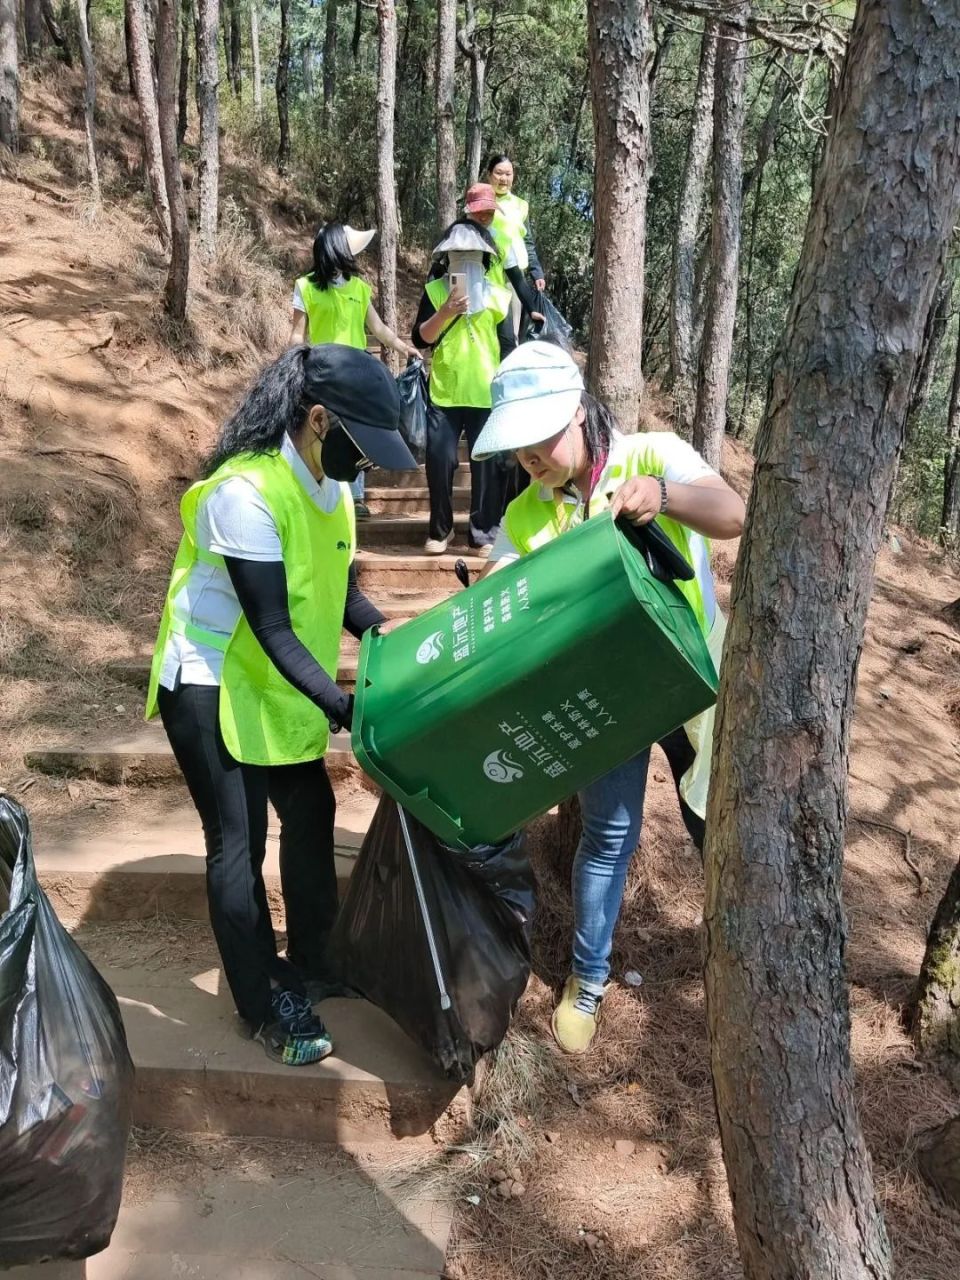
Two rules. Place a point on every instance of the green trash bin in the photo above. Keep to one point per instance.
(490, 708)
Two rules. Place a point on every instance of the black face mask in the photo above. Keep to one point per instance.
(340, 457)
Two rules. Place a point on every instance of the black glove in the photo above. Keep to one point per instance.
(345, 718)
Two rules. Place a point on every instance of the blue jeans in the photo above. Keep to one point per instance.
(612, 813)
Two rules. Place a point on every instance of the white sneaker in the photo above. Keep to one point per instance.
(437, 546)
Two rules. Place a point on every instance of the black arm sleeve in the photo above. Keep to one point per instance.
(359, 613)
(523, 291)
(533, 264)
(424, 312)
(262, 591)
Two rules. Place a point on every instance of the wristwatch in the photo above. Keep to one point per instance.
(663, 493)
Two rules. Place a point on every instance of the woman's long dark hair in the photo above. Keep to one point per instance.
(441, 265)
(599, 425)
(331, 256)
(273, 405)
(495, 158)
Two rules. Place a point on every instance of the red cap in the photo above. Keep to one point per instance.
(480, 196)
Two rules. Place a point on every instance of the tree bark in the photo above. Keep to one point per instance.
(472, 51)
(933, 332)
(803, 1198)
(729, 105)
(329, 62)
(208, 166)
(939, 1160)
(621, 60)
(56, 32)
(357, 31)
(9, 76)
(183, 88)
(175, 291)
(32, 27)
(936, 1018)
(89, 99)
(386, 185)
(950, 515)
(255, 54)
(683, 352)
(306, 66)
(283, 71)
(141, 68)
(446, 140)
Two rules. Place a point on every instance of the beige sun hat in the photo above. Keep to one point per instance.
(357, 241)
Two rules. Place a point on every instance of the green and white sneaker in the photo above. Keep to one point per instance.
(296, 1037)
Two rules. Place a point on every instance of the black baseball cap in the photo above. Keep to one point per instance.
(358, 389)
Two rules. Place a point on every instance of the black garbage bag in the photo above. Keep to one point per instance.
(452, 980)
(66, 1079)
(412, 386)
(554, 327)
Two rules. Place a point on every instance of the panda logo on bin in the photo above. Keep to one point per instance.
(431, 648)
(498, 767)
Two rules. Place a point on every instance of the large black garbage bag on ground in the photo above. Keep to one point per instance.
(412, 386)
(66, 1079)
(479, 905)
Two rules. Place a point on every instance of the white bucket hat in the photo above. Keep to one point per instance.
(536, 392)
(357, 241)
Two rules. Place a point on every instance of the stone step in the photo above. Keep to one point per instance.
(414, 500)
(209, 1208)
(196, 1072)
(397, 569)
(133, 861)
(401, 531)
(143, 755)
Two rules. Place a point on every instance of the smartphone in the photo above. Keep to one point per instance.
(458, 284)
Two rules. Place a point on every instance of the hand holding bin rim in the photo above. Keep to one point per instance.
(493, 706)
(67, 1079)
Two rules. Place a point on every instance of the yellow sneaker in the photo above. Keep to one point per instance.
(576, 1017)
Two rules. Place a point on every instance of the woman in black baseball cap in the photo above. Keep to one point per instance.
(243, 673)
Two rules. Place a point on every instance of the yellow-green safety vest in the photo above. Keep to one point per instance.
(337, 314)
(467, 354)
(531, 521)
(510, 227)
(263, 718)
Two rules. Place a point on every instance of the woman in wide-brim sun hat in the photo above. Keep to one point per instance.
(580, 464)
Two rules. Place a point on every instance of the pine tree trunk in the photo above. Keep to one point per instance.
(357, 31)
(306, 66)
(939, 1160)
(683, 353)
(729, 105)
(386, 185)
(283, 72)
(803, 1199)
(933, 332)
(950, 515)
(55, 32)
(446, 140)
(183, 89)
(329, 62)
(141, 69)
(478, 72)
(208, 167)
(32, 27)
(89, 99)
(255, 54)
(621, 60)
(936, 1019)
(9, 76)
(236, 49)
(175, 290)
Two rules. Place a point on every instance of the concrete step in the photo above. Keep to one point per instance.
(413, 500)
(397, 569)
(210, 1208)
(400, 531)
(196, 1072)
(143, 754)
(132, 861)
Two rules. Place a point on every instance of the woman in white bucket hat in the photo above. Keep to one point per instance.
(580, 464)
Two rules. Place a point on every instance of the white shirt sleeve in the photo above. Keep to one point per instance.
(236, 521)
(680, 461)
(298, 303)
(503, 551)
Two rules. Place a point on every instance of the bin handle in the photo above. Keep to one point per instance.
(662, 558)
(445, 1002)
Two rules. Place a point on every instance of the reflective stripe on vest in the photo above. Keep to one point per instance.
(510, 227)
(467, 354)
(337, 314)
(263, 719)
(531, 521)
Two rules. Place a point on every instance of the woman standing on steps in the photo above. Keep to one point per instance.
(242, 675)
(580, 465)
(513, 233)
(333, 303)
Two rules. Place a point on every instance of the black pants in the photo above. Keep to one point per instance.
(680, 755)
(444, 429)
(231, 799)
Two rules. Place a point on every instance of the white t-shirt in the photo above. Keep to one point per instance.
(233, 520)
(678, 462)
